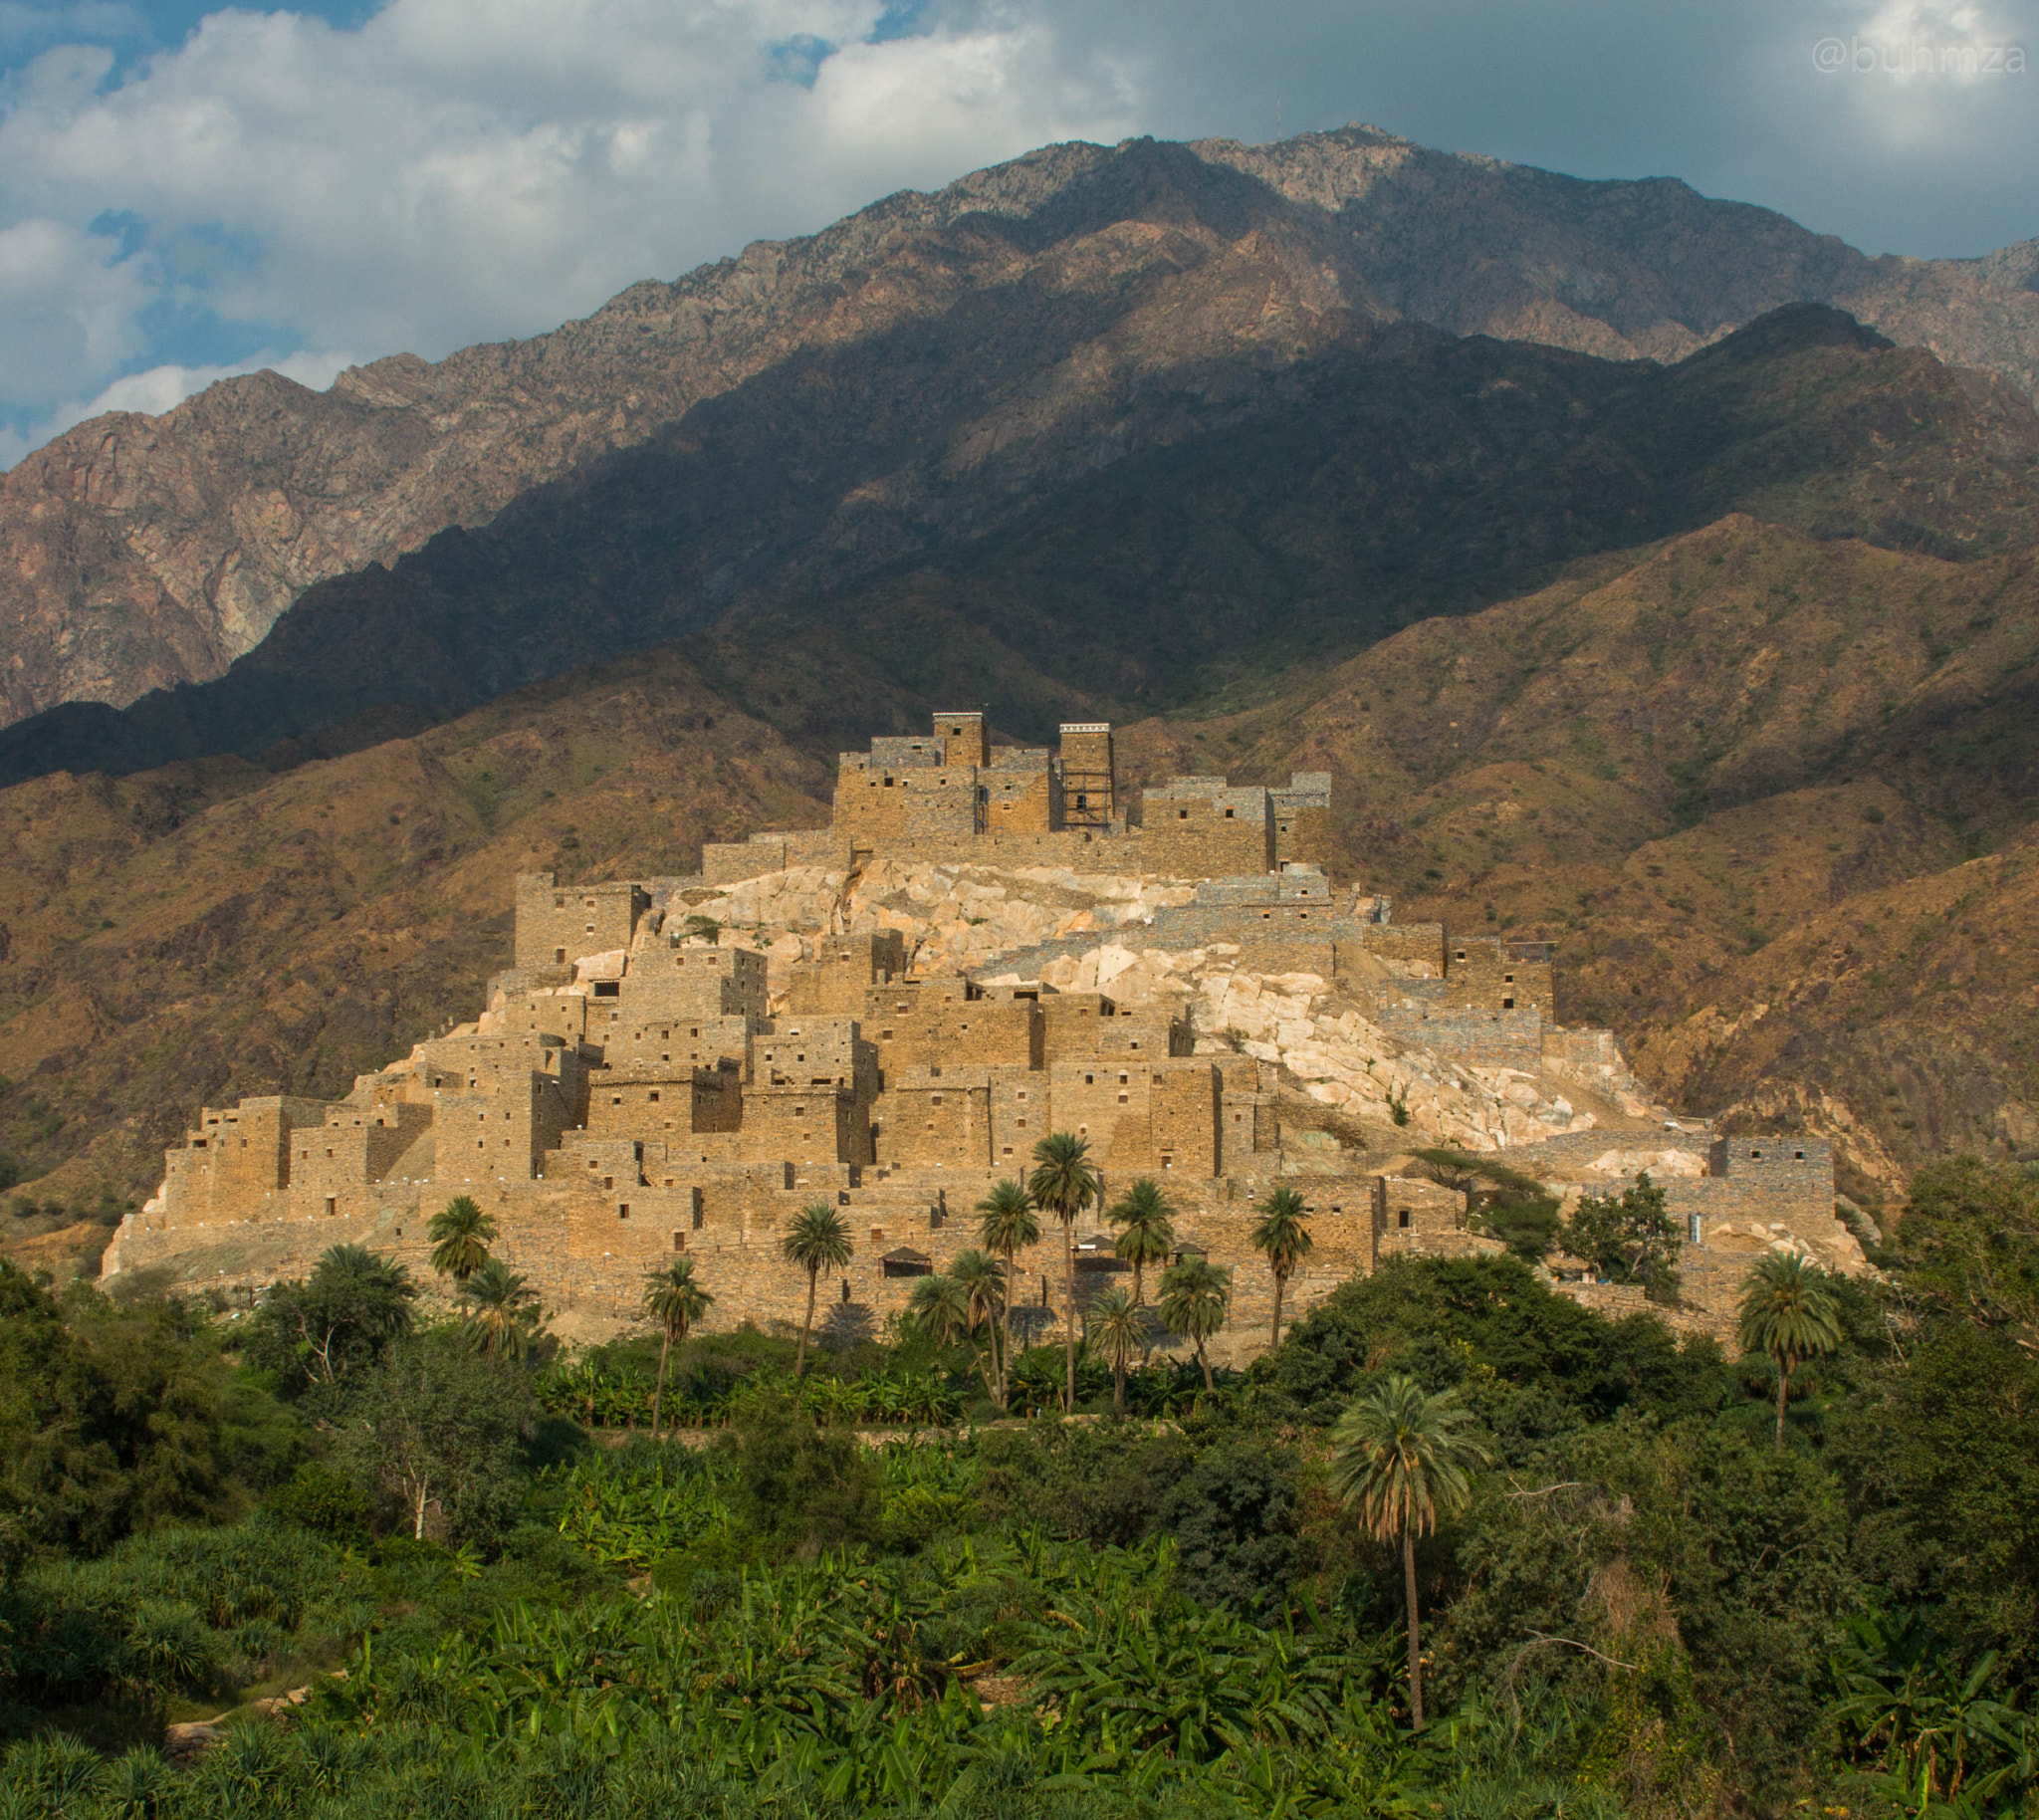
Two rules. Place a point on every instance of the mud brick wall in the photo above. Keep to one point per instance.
(1089, 773)
(1019, 793)
(1481, 973)
(805, 1051)
(671, 1048)
(1114, 854)
(1781, 1181)
(803, 1124)
(1477, 1039)
(1579, 1049)
(939, 804)
(1071, 1023)
(1187, 1133)
(629, 1105)
(1303, 836)
(557, 923)
(729, 862)
(842, 972)
(928, 1120)
(546, 1013)
(1022, 1113)
(690, 980)
(965, 737)
(1215, 835)
(1417, 944)
(236, 1157)
(1109, 1106)
(1147, 1033)
(984, 1034)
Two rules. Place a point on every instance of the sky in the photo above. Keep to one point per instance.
(189, 192)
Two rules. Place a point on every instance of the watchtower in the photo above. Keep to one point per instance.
(966, 739)
(1089, 781)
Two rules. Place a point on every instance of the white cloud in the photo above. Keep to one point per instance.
(461, 170)
(163, 388)
(457, 171)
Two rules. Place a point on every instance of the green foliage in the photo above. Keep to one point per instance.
(1968, 1242)
(1101, 1484)
(315, 1333)
(1629, 1238)
(434, 1432)
(818, 1240)
(327, 1504)
(1789, 1314)
(1118, 1330)
(1146, 1221)
(1195, 1296)
(1234, 1515)
(803, 1488)
(502, 1311)
(1640, 1607)
(461, 1234)
(110, 1420)
(1533, 1362)
(1281, 1235)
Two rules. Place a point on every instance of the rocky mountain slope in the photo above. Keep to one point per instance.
(1234, 518)
(137, 553)
(1771, 797)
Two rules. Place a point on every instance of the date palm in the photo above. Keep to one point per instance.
(1283, 1234)
(1010, 1223)
(1118, 1329)
(498, 1317)
(983, 1279)
(1147, 1229)
(818, 1240)
(1403, 1459)
(1063, 1183)
(940, 1307)
(1195, 1296)
(675, 1301)
(1788, 1313)
(460, 1234)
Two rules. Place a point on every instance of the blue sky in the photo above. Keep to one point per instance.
(186, 191)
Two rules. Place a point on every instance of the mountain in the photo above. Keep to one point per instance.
(1769, 794)
(139, 553)
(1159, 537)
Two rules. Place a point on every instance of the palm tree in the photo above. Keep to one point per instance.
(940, 1307)
(983, 1279)
(1788, 1311)
(502, 1301)
(675, 1301)
(1284, 1234)
(1403, 1458)
(1149, 1234)
(1063, 1183)
(460, 1234)
(1195, 1296)
(1010, 1223)
(816, 1240)
(1118, 1329)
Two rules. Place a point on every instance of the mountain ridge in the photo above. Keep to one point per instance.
(1236, 513)
(146, 552)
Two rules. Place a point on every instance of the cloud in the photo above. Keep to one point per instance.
(448, 171)
(163, 388)
(456, 170)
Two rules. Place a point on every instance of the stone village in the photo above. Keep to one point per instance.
(1175, 978)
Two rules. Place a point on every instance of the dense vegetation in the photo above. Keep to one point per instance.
(424, 1573)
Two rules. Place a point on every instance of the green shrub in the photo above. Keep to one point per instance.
(327, 1504)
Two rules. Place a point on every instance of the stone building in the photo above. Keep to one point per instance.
(631, 1092)
(952, 794)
